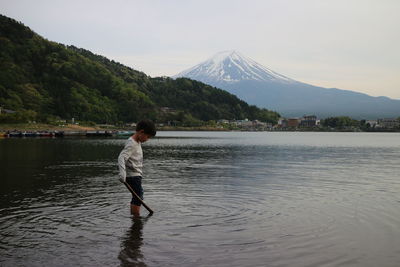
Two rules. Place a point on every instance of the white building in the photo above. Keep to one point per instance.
(388, 123)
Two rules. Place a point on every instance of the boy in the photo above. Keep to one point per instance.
(130, 161)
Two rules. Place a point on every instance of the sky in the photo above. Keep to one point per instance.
(346, 44)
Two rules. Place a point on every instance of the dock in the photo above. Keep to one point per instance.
(54, 134)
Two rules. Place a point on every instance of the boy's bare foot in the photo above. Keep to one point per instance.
(135, 210)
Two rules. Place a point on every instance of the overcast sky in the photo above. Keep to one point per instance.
(347, 44)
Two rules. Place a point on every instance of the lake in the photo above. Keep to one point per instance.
(219, 199)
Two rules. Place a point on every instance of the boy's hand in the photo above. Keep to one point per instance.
(122, 180)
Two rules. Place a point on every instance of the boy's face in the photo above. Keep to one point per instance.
(143, 137)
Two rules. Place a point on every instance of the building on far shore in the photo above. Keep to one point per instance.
(247, 124)
(6, 111)
(168, 110)
(388, 123)
(372, 123)
(130, 124)
(308, 121)
(223, 121)
(293, 122)
(282, 123)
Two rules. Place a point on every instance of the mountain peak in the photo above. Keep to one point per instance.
(231, 66)
(226, 54)
(260, 86)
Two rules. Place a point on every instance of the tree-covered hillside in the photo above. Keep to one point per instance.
(44, 80)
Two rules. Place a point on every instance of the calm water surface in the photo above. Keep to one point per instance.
(220, 199)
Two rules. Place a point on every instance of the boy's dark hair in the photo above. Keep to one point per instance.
(147, 126)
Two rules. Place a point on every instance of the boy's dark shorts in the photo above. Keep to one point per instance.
(136, 183)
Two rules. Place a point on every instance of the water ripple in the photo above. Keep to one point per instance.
(218, 201)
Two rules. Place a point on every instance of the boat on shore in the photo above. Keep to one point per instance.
(14, 134)
(51, 134)
(30, 134)
(45, 134)
(75, 133)
(59, 133)
(99, 133)
(125, 133)
(48, 134)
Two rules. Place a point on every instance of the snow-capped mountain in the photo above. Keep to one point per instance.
(258, 85)
(232, 67)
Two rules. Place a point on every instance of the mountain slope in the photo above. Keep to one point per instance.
(47, 80)
(263, 87)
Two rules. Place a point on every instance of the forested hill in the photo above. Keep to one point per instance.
(44, 80)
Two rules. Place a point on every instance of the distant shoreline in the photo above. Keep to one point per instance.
(44, 127)
(40, 127)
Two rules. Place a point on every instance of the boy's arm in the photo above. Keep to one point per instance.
(123, 157)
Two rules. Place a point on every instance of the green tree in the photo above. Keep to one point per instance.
(340, 122)
(52, 79)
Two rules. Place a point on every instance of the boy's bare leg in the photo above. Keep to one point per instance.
(135, 210)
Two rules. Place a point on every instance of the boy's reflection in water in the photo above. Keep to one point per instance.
(131, 254)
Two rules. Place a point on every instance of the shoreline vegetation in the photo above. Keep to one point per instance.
(48, 82)
(48, 87)
(97, 130)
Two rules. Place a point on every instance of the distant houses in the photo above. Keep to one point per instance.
(310, 122)
(6, 111)
(172, 118)
(388, 123)
(167, 110)
(247, 125)
(371, 123)
(307, 121)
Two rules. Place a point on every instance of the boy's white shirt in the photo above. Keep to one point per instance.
(130, 160)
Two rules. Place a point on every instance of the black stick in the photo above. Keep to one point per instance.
(136, 195)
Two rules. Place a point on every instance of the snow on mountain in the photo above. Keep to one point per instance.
(232, 67)
(260, 86)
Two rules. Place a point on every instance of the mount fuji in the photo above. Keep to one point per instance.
(258, 85)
